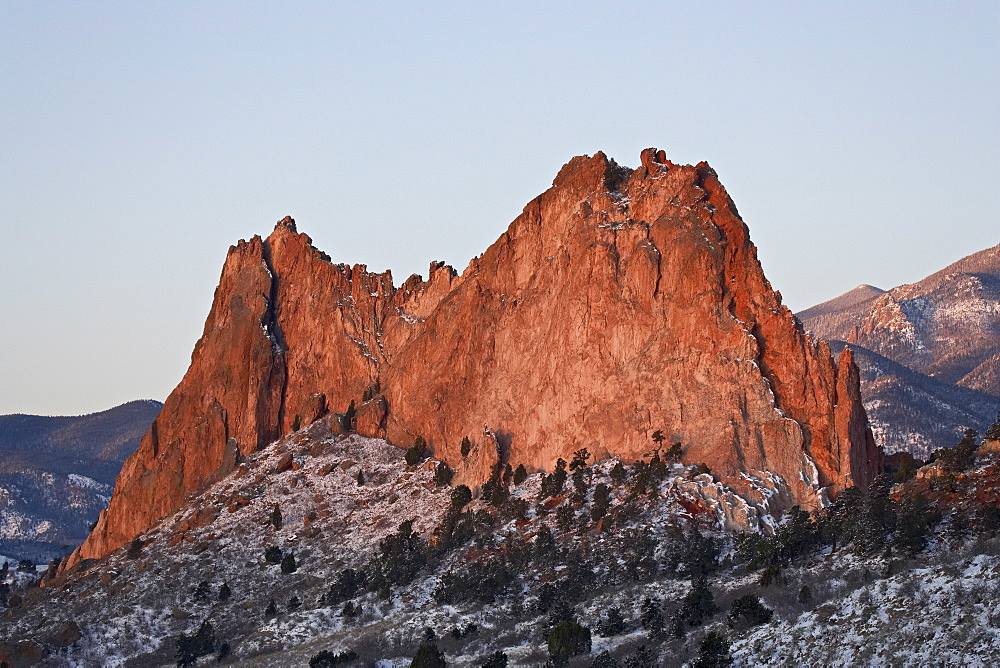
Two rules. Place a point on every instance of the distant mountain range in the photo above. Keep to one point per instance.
(57, 473)
(929, 352)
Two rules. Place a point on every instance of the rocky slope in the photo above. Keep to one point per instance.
(497, 574)
(57, 473)
(619, 303)
(133, 605)
(946, 329)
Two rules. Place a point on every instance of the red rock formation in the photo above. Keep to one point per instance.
(618, 303)
(230, 398)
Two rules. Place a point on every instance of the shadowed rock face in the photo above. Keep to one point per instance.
(618, 303)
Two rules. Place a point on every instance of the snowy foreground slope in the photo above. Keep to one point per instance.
(493, 575)
(942, 614)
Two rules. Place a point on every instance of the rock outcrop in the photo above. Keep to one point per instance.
(620, 302)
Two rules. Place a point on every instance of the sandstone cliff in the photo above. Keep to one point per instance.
(618, 303)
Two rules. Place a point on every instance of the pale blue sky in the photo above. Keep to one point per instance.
(138, 140)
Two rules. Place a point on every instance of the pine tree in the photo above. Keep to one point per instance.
(641, 658)
(417, 452)
(677, 628)
(520, 474)
(497, 659)
(272, 554)
(202, 592)
(271, 610)
(552, 484)
(748, 611)
(495, 490)
(612, 624)
(288, 564)
(443, 475)
(327, 659)
(360, 478)
(651, 618)
(601, 502)
(961, 456)
(568, 638)
(225, 592)
(428, 656)
(134, 549)
(545, 543)
(618, 474)
(906, 469)
(565, 517)
(349, 583)
(580, 486)
(466, 446)
(460, 496)
(579, 460)
(675, 453)
(699, 604)
(916, 520)
(713, 652)
(276, 517)
(201, 643)
(993, 432)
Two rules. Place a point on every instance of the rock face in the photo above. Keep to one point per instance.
(620, 302)
(944, 331)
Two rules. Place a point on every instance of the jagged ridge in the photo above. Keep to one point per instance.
(620, 302)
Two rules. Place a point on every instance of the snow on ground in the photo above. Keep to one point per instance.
(944, 614)
(140, 599)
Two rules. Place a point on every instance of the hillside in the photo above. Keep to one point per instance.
(912, 412)
(946, 325)
(945, 329)
(57, 474)
(830, 319)
(93, 445)
(615, 564)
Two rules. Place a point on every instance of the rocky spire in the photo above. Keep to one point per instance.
(620, 302)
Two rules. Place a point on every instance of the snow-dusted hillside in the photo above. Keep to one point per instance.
(929, 352)
(943, 614)
(496, 574)
(136, 603)
(41, 511)
(912, 412)
(57, 473)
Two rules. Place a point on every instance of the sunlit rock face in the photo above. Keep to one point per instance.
(619, 303)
